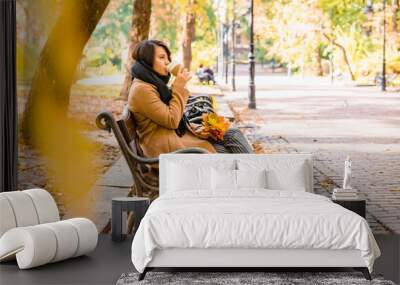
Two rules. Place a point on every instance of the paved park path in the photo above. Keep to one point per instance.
(332, 121)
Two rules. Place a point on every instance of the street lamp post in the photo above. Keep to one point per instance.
(226, 51)
(369, 10)
(233, 45)
(384, 48)
(221, 37)
(252, 91)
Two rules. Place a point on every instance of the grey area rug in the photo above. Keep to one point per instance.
(273, 278)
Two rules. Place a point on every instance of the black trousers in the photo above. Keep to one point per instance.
(234, 142)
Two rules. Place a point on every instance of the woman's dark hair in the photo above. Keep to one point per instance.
(145, 51)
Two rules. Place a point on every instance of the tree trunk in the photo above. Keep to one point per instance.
(188, 34)
(395, 10)
(320, 71)
(40, 15)
(140, 28)
(318, 51)
(60, 57)
(346, 58)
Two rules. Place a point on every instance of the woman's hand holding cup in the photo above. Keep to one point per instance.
(182, 75)
(174, 67)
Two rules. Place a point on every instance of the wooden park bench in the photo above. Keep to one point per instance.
(145, 177)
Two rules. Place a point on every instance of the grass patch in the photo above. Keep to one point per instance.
(110, 91)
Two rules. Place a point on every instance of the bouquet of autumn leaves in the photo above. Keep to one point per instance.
(201, 119)
(214, 126)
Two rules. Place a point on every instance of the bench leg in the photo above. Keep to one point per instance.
(364, 271)
(143, 274)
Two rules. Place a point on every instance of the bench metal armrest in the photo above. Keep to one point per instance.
(191, 150)
(105, 121)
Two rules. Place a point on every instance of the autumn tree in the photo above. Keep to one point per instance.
(60, 56)
(295, 33)
(166, 26)
(304, 33)
(139, 31)
(164, 23)
(35, 20)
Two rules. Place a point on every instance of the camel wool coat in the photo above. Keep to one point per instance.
(156, 121)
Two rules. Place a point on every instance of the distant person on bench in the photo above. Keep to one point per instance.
(210, 74)
(201, 74)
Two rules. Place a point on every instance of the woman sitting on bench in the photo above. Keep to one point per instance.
(158, 109)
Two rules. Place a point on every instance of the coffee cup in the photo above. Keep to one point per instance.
(174, 67)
